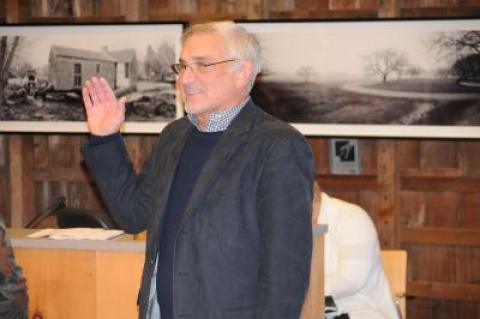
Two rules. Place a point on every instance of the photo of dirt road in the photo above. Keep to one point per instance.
(398, 73)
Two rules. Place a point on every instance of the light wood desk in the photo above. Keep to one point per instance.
(100, 279)
(314, 305)
(80, 279)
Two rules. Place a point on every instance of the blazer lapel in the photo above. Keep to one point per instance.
(231, 140)
(165, 175)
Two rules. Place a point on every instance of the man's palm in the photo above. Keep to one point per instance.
(105, 114)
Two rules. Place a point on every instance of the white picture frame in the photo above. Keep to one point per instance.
(51, 63)
(320, 76)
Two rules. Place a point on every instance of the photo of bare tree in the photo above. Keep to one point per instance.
(372, 78)
(43, 68)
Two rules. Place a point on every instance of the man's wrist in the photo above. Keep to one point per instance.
(99, 139)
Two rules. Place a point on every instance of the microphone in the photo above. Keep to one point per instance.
(51, 210)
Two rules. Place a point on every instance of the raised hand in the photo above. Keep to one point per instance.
(105, 114)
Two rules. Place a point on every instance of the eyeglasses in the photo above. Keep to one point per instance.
(196, 66)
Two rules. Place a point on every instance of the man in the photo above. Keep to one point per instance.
(225, 196)
(354, 275)
(13, 291)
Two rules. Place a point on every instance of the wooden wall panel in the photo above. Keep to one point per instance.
(4, 179)
(368, 200)
(439, 218)
(386, 176)
(82, 8)
(429, 3)
(469, 156)
(254, 9)
(59, 170)
(50, 8)
(211, 7)
(20, 174)
(408, 155)
(441, 208)
(468, 265)
(311, 5)
(470, 217)
(439, 158)
(344, 4)
(321, 150)
(158, 4)
(281, 5)
(411, 209)
(185, 6)
(17, 11)
(3, 16)
(87, 10)
(368, 156)
(3, 153)
(438, 309)
(435, 12)
(106, 10)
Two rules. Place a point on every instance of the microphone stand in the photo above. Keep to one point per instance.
(59, 204)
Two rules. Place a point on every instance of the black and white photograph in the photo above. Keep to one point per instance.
(45, 67)
(410, 78)
(344, 156)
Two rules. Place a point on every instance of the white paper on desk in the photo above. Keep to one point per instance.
(77, 233)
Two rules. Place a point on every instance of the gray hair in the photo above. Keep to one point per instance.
(239, 43)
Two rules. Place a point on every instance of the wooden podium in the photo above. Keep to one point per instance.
(314, 305)
(100, 279)
(80, 279)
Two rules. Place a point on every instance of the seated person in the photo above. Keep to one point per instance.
(13, 291)
(354, 276)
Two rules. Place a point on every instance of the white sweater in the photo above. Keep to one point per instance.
(354, 275)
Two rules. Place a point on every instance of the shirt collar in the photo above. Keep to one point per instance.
(219, 121)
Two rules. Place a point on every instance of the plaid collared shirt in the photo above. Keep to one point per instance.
(219, 121)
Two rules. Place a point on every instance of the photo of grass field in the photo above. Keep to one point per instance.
(398, 73)
(371, 103)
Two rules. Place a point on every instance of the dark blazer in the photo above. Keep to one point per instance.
(243, 248)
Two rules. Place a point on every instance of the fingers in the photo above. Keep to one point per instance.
(121, 103)
(107, 92)
(95, 91)
(100, 91)
(86, 99)
(121, 106)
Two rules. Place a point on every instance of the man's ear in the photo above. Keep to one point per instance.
(244, 74)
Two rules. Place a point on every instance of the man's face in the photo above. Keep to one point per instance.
(213, 88)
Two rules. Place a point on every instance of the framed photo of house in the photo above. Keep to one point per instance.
(43, 68)
(381, 78)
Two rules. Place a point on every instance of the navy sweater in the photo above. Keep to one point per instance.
(194, 156)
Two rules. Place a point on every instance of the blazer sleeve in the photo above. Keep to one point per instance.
(126, 193)
(284, 204)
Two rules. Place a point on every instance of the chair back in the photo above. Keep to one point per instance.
(395, 267)
(70, 217)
